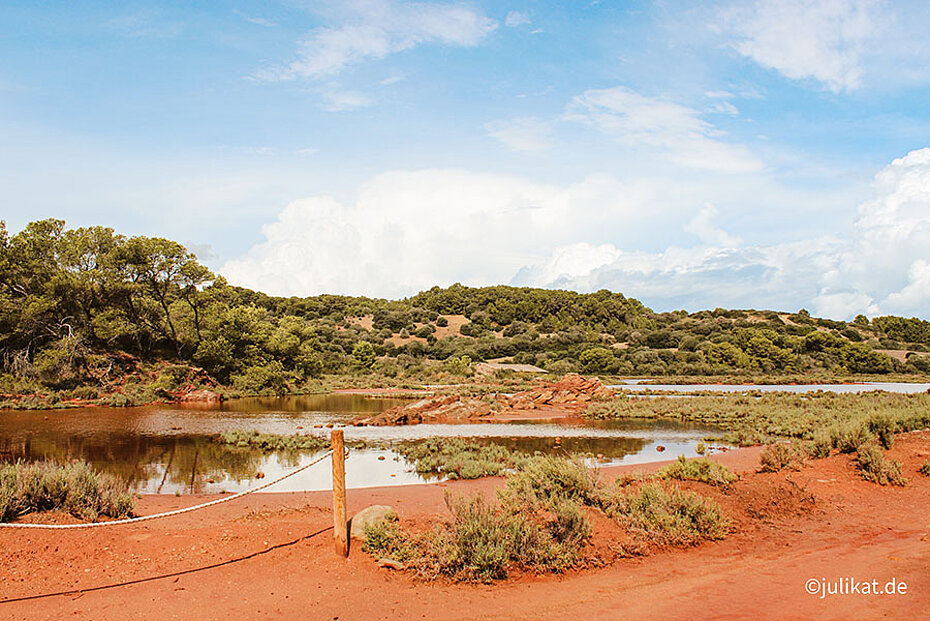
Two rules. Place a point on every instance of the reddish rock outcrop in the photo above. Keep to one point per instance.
(571, 392)
(433, 410)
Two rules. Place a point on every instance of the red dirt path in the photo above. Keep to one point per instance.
(273, 558)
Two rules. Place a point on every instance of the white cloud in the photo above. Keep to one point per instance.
(517, 18)
(378, 28)
(882, 268)
(703, 226)
(410, 230)
(675, 131)
(725, 107)
(527, 134)
(823, 40)
(779, 277)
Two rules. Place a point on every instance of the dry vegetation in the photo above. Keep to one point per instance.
(541, 523)
(75, 488)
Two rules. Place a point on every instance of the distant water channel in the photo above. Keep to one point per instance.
(172, 449)
(898, 387)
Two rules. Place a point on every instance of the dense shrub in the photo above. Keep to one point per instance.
(702, 469)
(274, 442)
(456, 458)
(75, 488)
(874, 467)
(779, 456)
(664, 514)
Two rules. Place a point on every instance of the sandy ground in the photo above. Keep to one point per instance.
(271, 556)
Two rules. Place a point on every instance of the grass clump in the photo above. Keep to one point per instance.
(874, 467)
(76, 488)
(664, 514)
(270, 442)
(777, 457)
(925, 468)
(386, 539)
(540, 523)
(479, 542)
(701, 469)
(460, 459)
(848, 437)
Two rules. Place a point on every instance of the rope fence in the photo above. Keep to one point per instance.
(156, 516)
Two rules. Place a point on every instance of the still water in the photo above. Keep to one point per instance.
(898, 387)
(172, 449)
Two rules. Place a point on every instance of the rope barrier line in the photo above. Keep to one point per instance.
(144, 518)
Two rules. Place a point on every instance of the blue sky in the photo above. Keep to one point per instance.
(754, 153)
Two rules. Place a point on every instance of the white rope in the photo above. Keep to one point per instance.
(176, 511)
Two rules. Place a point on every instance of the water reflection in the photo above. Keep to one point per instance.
(171, 449)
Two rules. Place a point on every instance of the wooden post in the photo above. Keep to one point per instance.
(340, 530)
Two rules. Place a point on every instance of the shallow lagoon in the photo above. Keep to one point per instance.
(172, 449)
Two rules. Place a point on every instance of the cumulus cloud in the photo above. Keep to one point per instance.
(526, 134)
(675, 131)
(882, 268)
(410, 230)
(706, 230)
(822, 40)
(375, 29)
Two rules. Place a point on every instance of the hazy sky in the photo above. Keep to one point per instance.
(766, 153)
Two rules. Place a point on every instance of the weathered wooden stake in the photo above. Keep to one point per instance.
(340, 530)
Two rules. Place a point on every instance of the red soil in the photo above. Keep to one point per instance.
(271, 556)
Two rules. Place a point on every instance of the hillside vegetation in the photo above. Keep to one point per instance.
(88, 312)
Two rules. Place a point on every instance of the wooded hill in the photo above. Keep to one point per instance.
(78, 307)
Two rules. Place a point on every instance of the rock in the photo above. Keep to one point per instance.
(370, 516)
(390, 563)
(201, 395)
(571, 392)
(660, 448)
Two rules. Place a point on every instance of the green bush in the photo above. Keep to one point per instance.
(270, 377)
(702, 469)
(479, 542)
(925, 468)
(386, 539)
(776, 457)
(541, 525)
(665, 515)
(884, 427)
(848, 437)
(364, 354)
(75, 488)
(544, 481)
(272, 442)
(456, 458)
(86, 393)
(874, 467)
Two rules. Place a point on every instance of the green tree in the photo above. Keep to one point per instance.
(364, 354)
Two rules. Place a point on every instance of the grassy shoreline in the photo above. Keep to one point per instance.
(155, 393)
